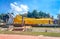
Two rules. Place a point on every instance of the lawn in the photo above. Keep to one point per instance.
(31, 33)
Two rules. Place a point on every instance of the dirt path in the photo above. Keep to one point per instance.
(5, 36)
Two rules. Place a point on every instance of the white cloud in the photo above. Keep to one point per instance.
(15, 7)
(18, 9)
(24, 7)
(15, 3)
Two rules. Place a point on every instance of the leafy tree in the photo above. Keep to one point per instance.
(5, 17)
(24, 15)
(29, 14)
(58, 16)
(48, 15)
(0, 16)
(43, 15)
(40, 14)
(52, 17)
(35, 14)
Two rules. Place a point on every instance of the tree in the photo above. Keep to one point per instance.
(0, 16)
(58, 16)
(29, 14)
(40, 14)
(5, 17)
(24, 15)
(44, 15)
(35, 14)
(52, 17)
(48, 15)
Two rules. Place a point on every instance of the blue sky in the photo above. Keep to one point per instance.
(49, 6)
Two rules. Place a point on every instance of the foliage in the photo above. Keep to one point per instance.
(35, 14)
(29, 14)
(4, 17)
(58, 16)
(0, 16)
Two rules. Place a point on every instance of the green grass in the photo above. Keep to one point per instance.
(31, 33)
